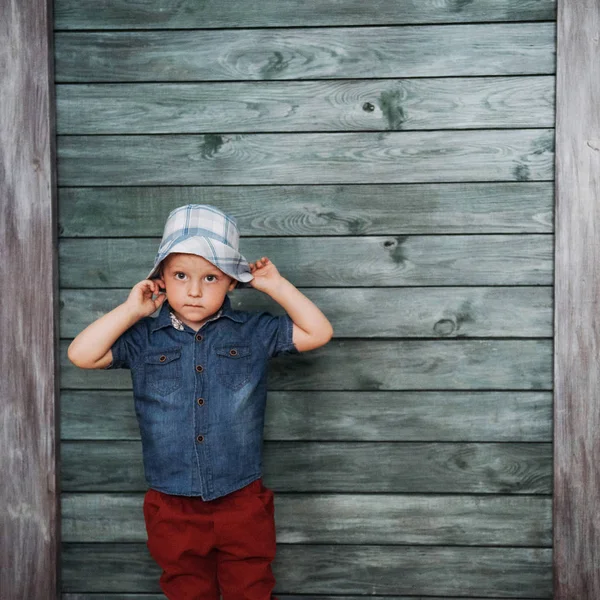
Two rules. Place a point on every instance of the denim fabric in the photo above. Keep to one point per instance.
(200, 397)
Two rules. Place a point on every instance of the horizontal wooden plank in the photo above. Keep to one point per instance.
(307, 158)
(321, 53)
(449, 103)
(190, 14)
(344, 519)
(455, 260)
(342, 416)
(446, 312)
(403, 467)
(325, 569)
(392, 209)
(109, 596)
(371, 365)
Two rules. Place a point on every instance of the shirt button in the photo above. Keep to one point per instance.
(199, 368)
(200, 401)
(200, 439)
(198, 337)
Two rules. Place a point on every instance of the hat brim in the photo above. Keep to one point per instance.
(224, 257)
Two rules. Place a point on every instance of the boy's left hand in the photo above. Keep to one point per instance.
(265, 274)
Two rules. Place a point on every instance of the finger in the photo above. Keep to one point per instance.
(145, 286)
(159, 300)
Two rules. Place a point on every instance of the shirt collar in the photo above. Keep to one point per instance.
(166, 318)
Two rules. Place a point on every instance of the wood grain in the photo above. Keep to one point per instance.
(325, 569)
(372, 365)
(407, 465)
(577, 377)
(340, 416)
(344, 519)
(450, 103)
(84, 596)
(315, 262)
(186, 14)
(369, 467)
(322, 53)
(445, 312)
(307, 158)
(289, 210)
(28, 354)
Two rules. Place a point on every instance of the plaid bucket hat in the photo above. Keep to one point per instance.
(206, 231)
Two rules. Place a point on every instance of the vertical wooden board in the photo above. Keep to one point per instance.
(577, 376)
(28, 357)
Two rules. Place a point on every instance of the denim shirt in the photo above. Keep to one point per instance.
(200, 397)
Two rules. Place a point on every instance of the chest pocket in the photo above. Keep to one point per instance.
(163, 370)
(233, 365)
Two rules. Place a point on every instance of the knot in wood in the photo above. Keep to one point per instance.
(444, 327)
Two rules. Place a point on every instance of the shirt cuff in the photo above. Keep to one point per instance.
(285, 341)
(119, 358)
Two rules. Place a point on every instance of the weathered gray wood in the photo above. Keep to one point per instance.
(307, 158)
(446, 312)
(513, 207)
(410, 467)
(452, 103)
(189, 14)
(391, 416)
(371, 365)
(322, 53)
(344, 519)
(84, 596)
(577, 377)
(324, 569)
(28, 355)
(337, 261)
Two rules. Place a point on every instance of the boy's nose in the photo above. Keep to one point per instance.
(195, 289)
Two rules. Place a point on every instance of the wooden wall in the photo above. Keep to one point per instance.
(395, 160)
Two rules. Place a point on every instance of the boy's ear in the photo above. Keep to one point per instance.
(232, 285)
(161, 282)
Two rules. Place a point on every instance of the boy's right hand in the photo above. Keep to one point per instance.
(141, 300)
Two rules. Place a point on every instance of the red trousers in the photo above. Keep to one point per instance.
(222, 547)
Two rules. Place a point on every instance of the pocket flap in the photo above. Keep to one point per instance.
(162, 358)
(234, 350)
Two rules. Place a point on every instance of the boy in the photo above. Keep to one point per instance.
(199, 374)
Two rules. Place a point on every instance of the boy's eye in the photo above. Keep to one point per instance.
(211, 277)
(179, 275)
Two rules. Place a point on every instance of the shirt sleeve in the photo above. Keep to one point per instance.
(128, 347)
(276, 334)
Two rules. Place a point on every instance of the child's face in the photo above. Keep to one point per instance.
(195, 287)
